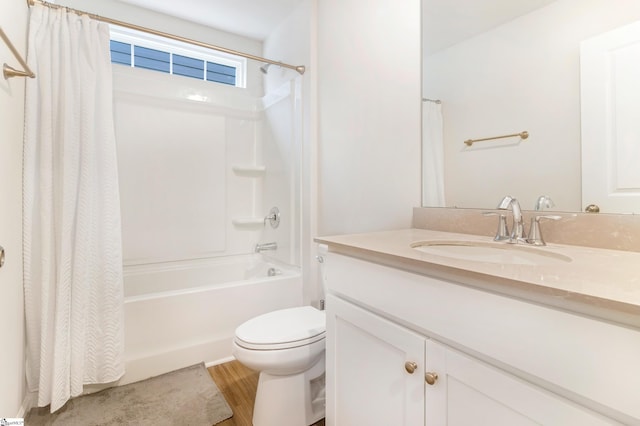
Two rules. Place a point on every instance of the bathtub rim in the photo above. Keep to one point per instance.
(248, 260)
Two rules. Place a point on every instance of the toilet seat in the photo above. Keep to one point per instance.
(282, 329)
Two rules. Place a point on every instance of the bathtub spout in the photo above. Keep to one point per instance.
(266, 246)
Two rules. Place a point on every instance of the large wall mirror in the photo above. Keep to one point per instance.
(500, 67)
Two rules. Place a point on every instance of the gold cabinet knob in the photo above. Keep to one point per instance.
(430, 377)
(410, 366)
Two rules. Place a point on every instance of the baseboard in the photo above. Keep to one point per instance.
(153, 364)
(30, 400)
(219, 361)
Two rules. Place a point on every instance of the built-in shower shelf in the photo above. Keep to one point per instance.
(249, 170)
(248, 221)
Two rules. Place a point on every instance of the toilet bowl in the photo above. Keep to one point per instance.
(287, 347)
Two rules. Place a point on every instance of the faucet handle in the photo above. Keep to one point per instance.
(535, 232)
(273, 217)
(502, 234)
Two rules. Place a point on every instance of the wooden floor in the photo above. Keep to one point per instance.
(238, 384)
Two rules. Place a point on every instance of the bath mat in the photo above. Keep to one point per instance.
(187, 396)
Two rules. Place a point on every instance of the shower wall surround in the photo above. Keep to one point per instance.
(200, 165)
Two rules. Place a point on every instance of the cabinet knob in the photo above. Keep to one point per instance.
(410, 366)
(430, 377)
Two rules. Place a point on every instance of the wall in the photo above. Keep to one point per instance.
(369, 74)
(179, 142)
(523, 75)
(12, 367)
(146, 18)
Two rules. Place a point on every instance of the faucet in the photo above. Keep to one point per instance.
(517, 230)
(266, 246)
(544, 201)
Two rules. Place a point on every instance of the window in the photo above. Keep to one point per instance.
(141, 50)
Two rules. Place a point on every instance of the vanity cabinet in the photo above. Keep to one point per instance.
(491, 360)
(381, 373)
(470, 392)
(375, 369)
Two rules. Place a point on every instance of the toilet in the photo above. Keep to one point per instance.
(287, 347)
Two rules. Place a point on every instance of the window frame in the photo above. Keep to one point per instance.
(175, 47)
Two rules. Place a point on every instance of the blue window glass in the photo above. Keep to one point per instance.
(120, 53)
(152, 59)
(189, 67)
(221, 73)
(159, 60)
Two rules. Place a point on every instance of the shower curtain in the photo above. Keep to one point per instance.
(432, 155)
(72, 243)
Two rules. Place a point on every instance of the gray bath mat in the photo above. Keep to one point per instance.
(183, 397)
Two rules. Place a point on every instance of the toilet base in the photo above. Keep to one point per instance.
(294, 400)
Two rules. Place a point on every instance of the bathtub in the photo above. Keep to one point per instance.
(181, 313)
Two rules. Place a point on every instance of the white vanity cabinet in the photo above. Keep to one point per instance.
(470, 392)
(498, 360)
(375, 369)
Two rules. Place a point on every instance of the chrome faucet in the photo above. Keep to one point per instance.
(544, 201)
(266, 246)
(517, 230)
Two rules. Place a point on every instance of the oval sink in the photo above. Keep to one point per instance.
(503, 253)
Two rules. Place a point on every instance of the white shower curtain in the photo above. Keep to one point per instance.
(72, 243)
(432, 155)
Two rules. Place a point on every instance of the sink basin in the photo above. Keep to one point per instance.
(502, 253)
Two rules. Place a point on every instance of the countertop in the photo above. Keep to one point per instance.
(595, 282)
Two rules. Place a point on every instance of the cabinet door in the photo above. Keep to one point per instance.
(470, 392)
(368, 382)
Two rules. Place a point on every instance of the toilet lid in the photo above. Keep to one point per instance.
(285, 326)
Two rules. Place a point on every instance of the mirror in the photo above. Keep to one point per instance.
(500, 68)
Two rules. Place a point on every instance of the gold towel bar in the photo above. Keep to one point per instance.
(523, 135)
(8, 71)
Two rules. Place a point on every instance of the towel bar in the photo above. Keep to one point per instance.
(9, 71)
(523, 135)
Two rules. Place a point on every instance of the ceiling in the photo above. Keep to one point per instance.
(446, 22)
(250, 18)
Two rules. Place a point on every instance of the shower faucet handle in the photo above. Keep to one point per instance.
(273, 217)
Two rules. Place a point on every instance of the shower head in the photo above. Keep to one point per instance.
(265, 68)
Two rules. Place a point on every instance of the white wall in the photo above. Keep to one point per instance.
(178, 141)
(369, 98)
(12, 375)
(523, 75)
(146, 18)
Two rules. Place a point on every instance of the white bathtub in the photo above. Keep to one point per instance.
(181, 313)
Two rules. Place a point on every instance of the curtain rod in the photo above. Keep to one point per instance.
(299, 68)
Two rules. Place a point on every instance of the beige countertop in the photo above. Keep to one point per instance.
(595, 282)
